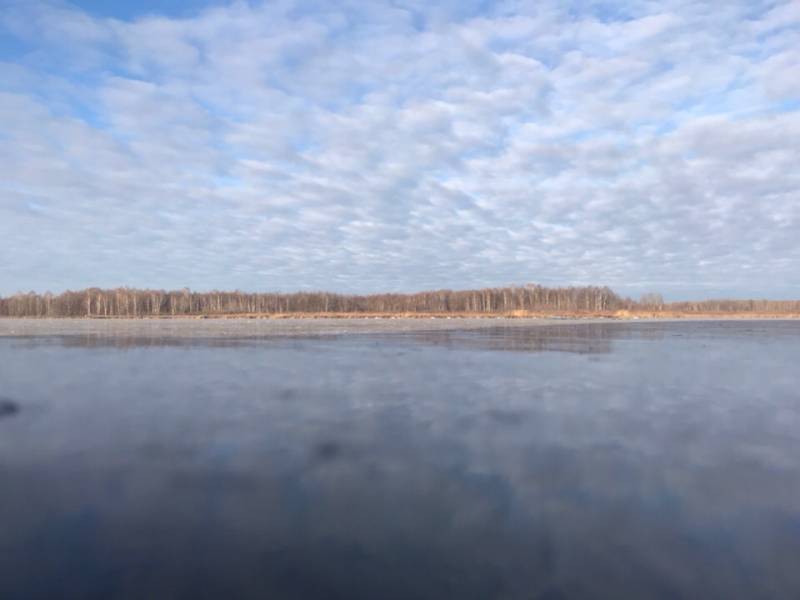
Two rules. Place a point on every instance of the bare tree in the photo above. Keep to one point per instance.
(126, 302)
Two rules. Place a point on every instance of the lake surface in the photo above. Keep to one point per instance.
(619, 460)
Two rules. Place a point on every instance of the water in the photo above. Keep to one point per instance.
(647, 460)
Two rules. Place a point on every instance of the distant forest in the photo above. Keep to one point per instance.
(125, 302)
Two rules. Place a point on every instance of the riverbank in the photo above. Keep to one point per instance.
(249, 328)
(621, 315)
(256, 327)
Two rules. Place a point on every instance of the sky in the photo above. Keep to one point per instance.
(360, 146)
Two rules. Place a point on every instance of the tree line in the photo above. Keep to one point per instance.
(127, 302)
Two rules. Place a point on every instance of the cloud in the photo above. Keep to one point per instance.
(399, 146)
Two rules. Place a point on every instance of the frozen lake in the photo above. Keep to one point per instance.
(428, 460)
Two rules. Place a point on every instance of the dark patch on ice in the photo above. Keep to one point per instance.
(287, 394)
(327, 450)
(507, 417)
(8, 408)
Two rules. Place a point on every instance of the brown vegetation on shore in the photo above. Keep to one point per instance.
(530, 301)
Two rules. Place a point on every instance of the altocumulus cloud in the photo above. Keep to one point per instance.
(364, 146)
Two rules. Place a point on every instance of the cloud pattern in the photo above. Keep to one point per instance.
(364, 146)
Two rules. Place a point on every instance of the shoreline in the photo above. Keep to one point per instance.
(619, 315)
(253, 328)
(232, 327)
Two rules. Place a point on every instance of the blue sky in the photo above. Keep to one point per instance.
(365, 146)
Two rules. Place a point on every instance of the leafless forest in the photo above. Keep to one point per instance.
(126, 302)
